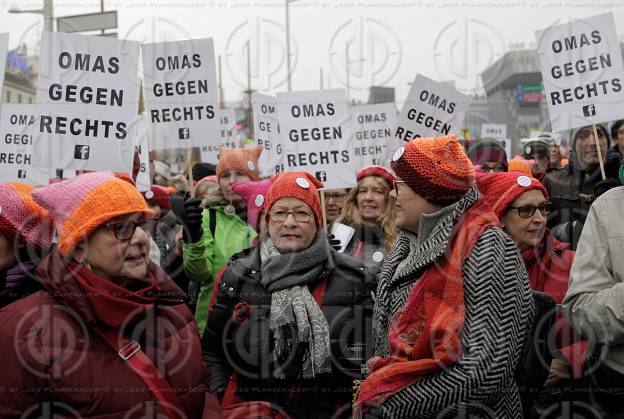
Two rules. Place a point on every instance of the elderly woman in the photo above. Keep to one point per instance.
(25, 236)
(371, 213)
(521, 204)
(454, 309)
(218, 230)
(109, 336)
(290, 315)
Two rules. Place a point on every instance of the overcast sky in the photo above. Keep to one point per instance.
(390, 41)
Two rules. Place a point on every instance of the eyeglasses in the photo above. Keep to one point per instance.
(279, 216)
(124, 230)
(337, 197)
(495, 168)
(396, 183)
(527, 211)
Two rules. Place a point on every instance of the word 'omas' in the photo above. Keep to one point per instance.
(423, 118)
(316, 133)
(86, 94)
(580, 66)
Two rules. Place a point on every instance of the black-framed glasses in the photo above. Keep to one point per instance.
(527, 211)
(124, 230)
(336, 196)
(496, 168)
(395, 184)
(279, 216)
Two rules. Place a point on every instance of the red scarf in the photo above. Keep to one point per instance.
(95, 297)
(538, 261)
(425, 334)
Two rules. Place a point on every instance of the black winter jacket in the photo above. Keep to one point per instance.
(244, 345)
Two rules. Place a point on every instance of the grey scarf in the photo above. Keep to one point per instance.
(300, 330)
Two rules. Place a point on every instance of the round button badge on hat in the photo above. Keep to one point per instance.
(302, 183)
(398, 153)
(259, 201)
(149, 195)
(527, 149)
(250, 165)
(524, 181)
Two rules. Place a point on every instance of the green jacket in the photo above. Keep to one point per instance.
(204, 259)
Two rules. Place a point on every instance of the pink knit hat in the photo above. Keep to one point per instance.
(81, 204)
(22, 218)
(254, 193)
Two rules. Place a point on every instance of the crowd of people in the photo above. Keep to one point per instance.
(456, 282)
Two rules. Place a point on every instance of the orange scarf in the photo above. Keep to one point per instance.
(425, 335)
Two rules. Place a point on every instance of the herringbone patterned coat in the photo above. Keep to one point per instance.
(498, 318)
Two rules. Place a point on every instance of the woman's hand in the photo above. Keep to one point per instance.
(559, 370)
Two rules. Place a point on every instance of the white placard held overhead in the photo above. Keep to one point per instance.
(315, 130)
(267, 134)
(143, 180)
(181, 94)
(496, 131)
(88, 92)
(432, 109)
(582, 71)
(373, 139)
(4, 50)
(227, 126)
(17, 128)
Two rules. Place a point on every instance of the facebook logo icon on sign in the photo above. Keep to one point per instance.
(321, 176)
(184, 133)
(21, 174)
(81, 152)
(589, 110)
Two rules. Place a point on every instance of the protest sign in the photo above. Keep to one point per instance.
(430, 110)
(267, 133)
(582, 71)
(227, 138)
(88, 92)
(374, 142)
(143, 180)
(181, 94)
(17, 128)
(4, 49)
(315, 130)
(496, 131)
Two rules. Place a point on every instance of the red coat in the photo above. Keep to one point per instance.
(549, 272)
(50, 353)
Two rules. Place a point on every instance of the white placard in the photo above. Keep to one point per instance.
(88, 91)
(431, 109)
(496, 131)
(582, 71)
(315, 130)
(227, 125)
(143, 180)
(267, 134)
(373, 139)
(4, 50)
(181, 94)
(17, 128)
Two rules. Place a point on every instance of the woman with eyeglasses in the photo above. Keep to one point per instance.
(287, 334)
(109, 335)
(521, 204)
(216, 227)
(489, 155)
(371, 213)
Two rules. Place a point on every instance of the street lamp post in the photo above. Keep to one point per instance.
(47, 11)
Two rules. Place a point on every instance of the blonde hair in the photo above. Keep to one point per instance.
(351, 215)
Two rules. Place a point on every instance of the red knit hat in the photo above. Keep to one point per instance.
(243, 159)
(502, 188)
(378, 171)
(300, 185)
(158, 195)
(435, 168)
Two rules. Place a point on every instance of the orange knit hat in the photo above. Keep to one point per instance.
(243, 159)
(435, 168)
(300, 185)
(81, 204)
